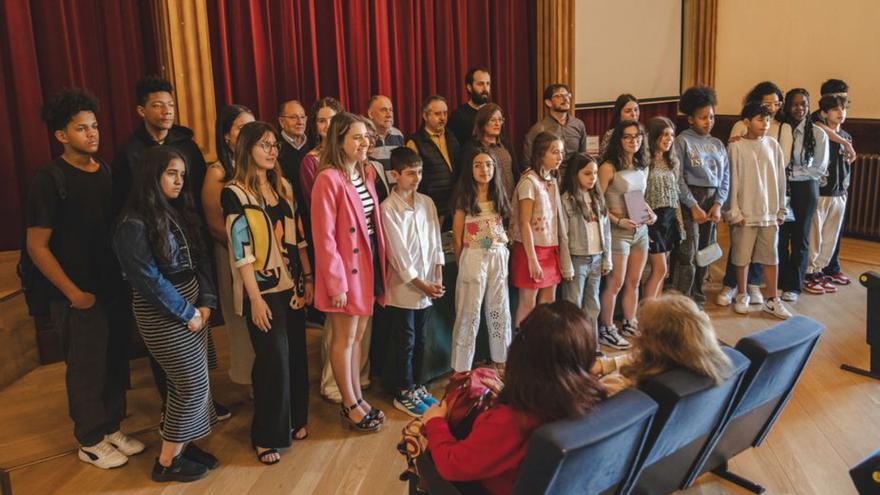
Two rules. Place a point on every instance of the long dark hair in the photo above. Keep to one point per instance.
(614, 151)
(808, 148)
(225, 118)
(148, 203)
(619, 103)
(548, 364)
(312, 124)
(539, 149)
(656, 127)
(571, 185)
(465, 197)
(246, 169)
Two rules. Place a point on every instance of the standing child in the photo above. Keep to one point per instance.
(756, 207)
(415, 276)
(535, 227)
(586, 257)
(480, 244)
(832, 197)
(702, 186)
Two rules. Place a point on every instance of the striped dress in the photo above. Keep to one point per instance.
(183, 355)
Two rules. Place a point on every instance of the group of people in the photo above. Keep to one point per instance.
(338, 217)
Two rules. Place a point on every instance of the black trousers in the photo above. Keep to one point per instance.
(794, 237)
(687, 277)
(97, 369)
(280, 375)
(408, 345)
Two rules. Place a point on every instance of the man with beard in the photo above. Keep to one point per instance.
(439, 152)
(559, 121)
(478, 83)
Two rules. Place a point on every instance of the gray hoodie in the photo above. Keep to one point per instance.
(703, 164)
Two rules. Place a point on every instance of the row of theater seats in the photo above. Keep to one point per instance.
(675, 427)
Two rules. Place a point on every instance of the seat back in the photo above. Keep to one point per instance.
(778, 356)
(692, 413)
(595, 454)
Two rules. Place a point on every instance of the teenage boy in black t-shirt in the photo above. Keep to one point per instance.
(69, 219)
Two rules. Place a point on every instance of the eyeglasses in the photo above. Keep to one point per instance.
(267, 146)
(294, 117)
(632, 137)
(562, 96)
(496, 120)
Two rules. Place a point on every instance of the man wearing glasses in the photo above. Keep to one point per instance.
(559, 121)
(380, 111)
(294, 144)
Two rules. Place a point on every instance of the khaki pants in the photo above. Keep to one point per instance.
(827, 223)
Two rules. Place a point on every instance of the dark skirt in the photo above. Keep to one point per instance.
(664, 235)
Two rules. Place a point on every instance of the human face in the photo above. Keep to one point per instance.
(836, 116)
(322, 120)
(158, 111)
(231, 137)
(408, 179)
(630, 111)
(560, 101)
(356, 143)
(483, 169)
(799, 107)
(772, 103)
(631, 139)
(758, 126)
(552, 159)
(588, 176)
(493, 126)
(664, 142)
(480, 92)
(381, 112)
(293, 119)
(171, 180)
(702, 120)
(436, 116)
(81, 133)
(265, 152)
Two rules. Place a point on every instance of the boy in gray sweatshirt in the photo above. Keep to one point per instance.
(756, 207)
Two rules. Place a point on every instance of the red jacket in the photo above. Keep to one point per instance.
(343, 257)
(491, 454)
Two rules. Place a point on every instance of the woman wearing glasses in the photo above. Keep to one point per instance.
(623, 176)
(268, 257)
(489, 133)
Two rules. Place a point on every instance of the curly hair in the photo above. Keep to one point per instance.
(152, 84)
(808, 148)
(60, 109)
(695, 98)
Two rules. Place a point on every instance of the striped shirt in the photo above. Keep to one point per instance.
(357, 181)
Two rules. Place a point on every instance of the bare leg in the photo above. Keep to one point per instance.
(612, 287)
(741, 272)
(659, 269)
(170, 450)
(341, 351)
(547, 295)
(526, 304)
(770, 281)
(630, 297)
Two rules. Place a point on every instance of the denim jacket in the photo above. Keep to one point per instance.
(151, 279)
(575, 233)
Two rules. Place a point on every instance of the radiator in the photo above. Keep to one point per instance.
(863, 204)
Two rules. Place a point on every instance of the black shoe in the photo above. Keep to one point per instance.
(181, 469)
(194, 453)
(223, 412)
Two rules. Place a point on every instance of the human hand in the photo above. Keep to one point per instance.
(206, 314)
(494, 384)
(714, 214)
(82, 300)
(435, 411)
(627, 224)
(196, 322)
(261, 315)
(339, 300)
(698, 214)
(309, 292)
(535, 270)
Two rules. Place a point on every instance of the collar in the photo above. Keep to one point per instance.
(293, 140)
(437, 135)
(398, 198)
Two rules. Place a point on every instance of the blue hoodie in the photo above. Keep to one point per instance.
(704, 163)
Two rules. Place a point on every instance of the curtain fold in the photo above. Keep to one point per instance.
(47, 45)
(265, 52)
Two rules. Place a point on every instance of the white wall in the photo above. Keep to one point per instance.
(799, 43)
(627, 46)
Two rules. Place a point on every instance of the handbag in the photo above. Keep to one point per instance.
(709, 254)
(466, 397)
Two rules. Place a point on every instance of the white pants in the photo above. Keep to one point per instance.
(329, 389)
(482, 273)
(241, 351)
(827, 223)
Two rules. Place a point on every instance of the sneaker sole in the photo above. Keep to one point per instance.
(128, 454)
(619, 347)
(773, 313)
(741, 311)
(85, 458)
(753, 302)
(723, 303)
(401, 407)
(177, 477)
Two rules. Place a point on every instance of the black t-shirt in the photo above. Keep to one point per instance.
(461, 122)
(80, 224)
(836, 179)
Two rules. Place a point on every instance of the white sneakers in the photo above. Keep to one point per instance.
(725, 296)
(112, 451)
(790, 296)
(755, 296)
(775, 307)
(741, 305)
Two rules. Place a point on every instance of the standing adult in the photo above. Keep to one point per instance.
(380, 111)
(295, 143)
(439, 152)
(478, 83)
(488, 132)
(558, 121)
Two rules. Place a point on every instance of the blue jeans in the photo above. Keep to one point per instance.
(583, 288)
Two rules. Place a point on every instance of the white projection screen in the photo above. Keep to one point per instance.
(626, 46)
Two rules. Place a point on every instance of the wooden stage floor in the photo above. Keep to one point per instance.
(832, 422)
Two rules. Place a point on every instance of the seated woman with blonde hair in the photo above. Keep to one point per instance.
(675, 333)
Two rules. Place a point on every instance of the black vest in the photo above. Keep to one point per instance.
(438, 178)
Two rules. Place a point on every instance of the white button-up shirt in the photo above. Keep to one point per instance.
(414, 249)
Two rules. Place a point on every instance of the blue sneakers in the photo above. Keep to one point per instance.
(426, 397)
(409, 402)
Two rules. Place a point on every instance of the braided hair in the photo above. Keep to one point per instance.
(808, 149)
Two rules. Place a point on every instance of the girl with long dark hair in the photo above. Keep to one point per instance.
(626, 107)
(160, 250)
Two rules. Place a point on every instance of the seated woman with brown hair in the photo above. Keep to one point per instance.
(675, 333)
(547, 378)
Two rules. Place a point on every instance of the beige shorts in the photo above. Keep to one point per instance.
(754, 245)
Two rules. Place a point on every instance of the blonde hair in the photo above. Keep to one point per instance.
(246, 169)
(676, 333)
(332, 155)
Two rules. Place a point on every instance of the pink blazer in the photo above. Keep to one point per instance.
(343, 257)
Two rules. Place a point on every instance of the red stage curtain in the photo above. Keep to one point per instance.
(265, 52)
(47, 45)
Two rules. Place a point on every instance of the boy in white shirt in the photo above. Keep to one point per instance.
(756, 206)
(415, 276)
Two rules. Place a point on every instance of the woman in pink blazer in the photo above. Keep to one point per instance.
(349, 257)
